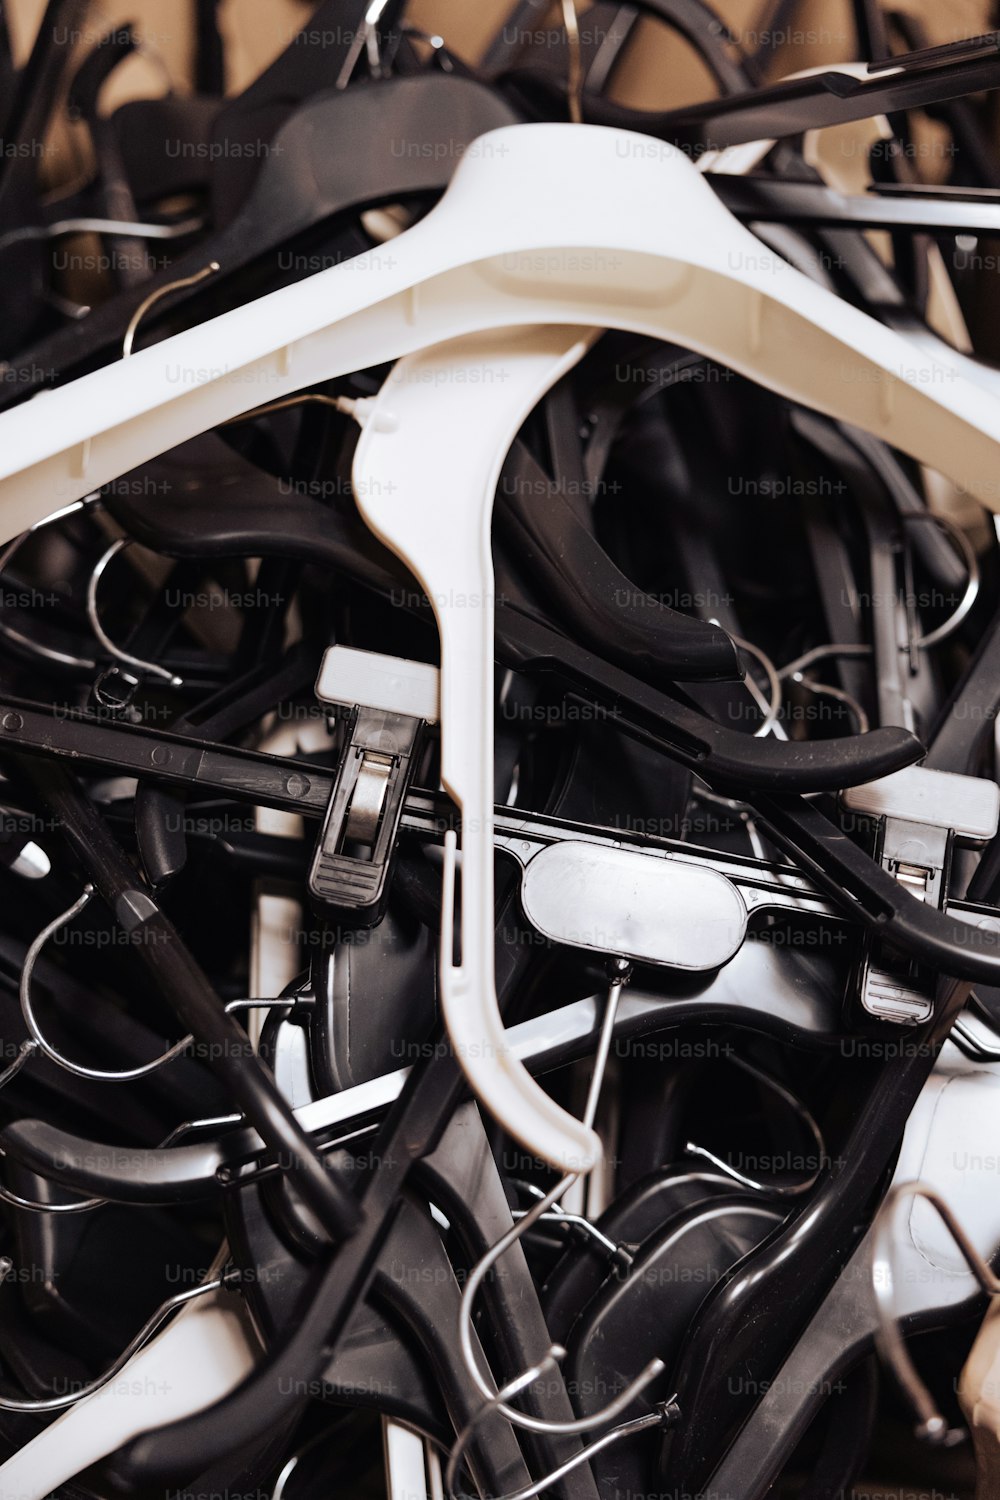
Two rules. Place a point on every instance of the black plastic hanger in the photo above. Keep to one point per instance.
(249, 123)
(795, 106)
(340, 152)
(22, 283)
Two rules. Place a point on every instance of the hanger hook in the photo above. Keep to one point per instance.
(778, 1190)
(932, 1426)
(773, 703)
(365, 40)
(495, 1402)
(157, 296)
(7, 556)
(39, 1041)
(574, 81)
(137, 1342)
(972, 583)
(665, 1414)
(559, 1215)
(620, 974)
(95, 620)
(89, 224)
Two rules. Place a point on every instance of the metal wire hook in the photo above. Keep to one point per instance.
(39, 1041)
(932, 1426)
(134, 229)
(480, 1271)
(796, 670)
(24, 1052)
(559, 1215)
(828, 690)
(146, 1332)
(574, 81)
(98, 1075)
(348, 406)
(63, 658)
(157, 296)
(777, 1190)
(665, 1415)
(149, 667)
(512, 1388)
(771, 705)
(972, 584)
(821, 653)
(85, 1205)
(366, 40)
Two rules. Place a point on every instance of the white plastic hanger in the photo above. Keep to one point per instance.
(565, 224)
(548, 224)
(196, 1360)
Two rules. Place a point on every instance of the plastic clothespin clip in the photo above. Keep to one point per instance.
(388, 702)
(922, 815)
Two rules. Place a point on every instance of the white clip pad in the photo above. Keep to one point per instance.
(392, 683)
(967, 805)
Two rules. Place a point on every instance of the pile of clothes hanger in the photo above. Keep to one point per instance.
(499, 790)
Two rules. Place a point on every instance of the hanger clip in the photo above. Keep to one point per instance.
(922, 815)
(389, 702)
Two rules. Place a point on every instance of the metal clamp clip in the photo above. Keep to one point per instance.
(923, 814)
(389, 702)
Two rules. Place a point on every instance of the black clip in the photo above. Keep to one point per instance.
(389, 702)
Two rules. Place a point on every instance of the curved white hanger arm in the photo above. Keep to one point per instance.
(197, 1359)
(425, 473)
(542, 224)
